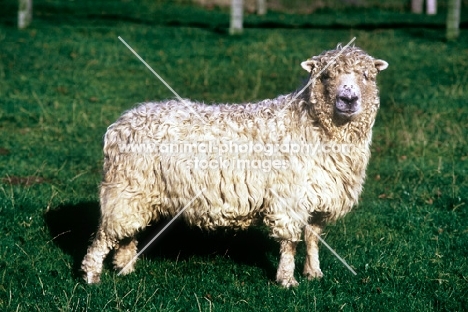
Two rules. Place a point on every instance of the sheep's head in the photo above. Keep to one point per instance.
(343, 86)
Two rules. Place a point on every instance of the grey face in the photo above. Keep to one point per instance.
(348, 96)
(345, 84)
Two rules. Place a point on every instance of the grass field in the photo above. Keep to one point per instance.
(67, 77)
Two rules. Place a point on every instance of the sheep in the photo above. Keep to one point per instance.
(293, 189)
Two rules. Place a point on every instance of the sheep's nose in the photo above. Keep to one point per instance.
(349, 100)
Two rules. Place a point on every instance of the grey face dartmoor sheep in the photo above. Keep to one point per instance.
(294, 163)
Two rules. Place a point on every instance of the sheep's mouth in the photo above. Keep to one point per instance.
(350, 112)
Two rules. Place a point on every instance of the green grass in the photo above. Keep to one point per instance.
(65, 79)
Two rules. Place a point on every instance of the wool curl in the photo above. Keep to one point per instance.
(143, 182)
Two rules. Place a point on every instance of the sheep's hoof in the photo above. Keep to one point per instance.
(289, 282)
(92, 278)
(313, 274)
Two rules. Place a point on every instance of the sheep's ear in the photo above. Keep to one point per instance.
(308, 65)
(380, 64)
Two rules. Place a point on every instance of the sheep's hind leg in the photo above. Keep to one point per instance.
(285, 273)
(312, 263)
(125, 255)
(97, 252)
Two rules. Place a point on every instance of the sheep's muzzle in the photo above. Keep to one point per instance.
(348, 97)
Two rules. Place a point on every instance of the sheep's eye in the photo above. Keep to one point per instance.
(324, 77)
(366, 75)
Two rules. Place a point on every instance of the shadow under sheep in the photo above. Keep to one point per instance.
(72, 228)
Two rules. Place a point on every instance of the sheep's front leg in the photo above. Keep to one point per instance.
(285, 273)
(92, 262)
(312, 263)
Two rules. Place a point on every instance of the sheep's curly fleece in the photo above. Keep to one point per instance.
(312, 188)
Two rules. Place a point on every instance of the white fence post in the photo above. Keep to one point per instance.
(261, 7)
(453, 19)
(237, 8)
(24, 13)
(431, 7)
